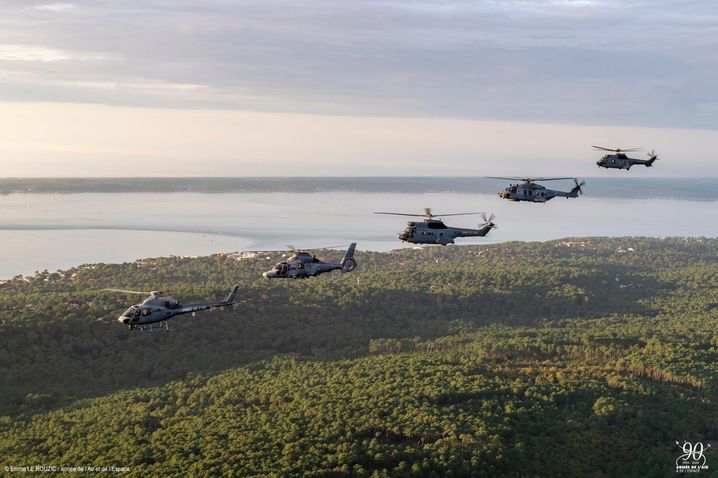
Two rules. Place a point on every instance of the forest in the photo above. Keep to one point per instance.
(579, 357)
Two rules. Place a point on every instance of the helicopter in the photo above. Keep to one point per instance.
(303, 264)
(152, 314)
(434, 231)
(619, 160)
(532, 192)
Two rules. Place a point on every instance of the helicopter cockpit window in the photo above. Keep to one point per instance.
(128, 312)
(282, 268)
(136, 312)
(146, 311)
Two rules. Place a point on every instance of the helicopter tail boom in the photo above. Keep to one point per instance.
(651, 158)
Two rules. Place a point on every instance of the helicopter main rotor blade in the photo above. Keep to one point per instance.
(400, 214)
(549, 179)
(327, 247)
(295, 249)
(458, 214)
(428, 215)
(129, 291)
(618, 150)
(528, 180)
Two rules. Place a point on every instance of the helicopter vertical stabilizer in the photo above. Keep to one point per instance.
(348, 262)
(350, 252)
(232, 295)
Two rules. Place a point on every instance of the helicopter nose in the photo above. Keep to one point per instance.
(123, 319)
(267, 274)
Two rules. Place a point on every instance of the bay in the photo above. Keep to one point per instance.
(58, 231)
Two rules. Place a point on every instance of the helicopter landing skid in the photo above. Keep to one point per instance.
(156, 327)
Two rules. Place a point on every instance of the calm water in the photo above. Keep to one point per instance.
(53, 231)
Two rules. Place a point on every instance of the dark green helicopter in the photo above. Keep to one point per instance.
(154, 312)
(434, 231)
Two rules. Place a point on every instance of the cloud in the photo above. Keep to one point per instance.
(54, 7)
(31, 53)
(586, 61)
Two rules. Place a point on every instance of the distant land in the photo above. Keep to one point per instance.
(612, 187)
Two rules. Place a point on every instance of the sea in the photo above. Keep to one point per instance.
(52, 224)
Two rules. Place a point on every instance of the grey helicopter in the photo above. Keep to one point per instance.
(530, 191)
(154, 312)
(303, 264)
(434, 231)
(619, 160)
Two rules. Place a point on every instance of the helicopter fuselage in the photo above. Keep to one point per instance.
(436, 232)
(294, 269)
(621, 161)
(303, 264)
(533, 192)
(159, 309)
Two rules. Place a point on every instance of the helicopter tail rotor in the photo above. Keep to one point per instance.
(488, 221)
(577, 189)
(651, 158)
(349, 265)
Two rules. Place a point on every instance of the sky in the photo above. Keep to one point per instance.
(330, 88)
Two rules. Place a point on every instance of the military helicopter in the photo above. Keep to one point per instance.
(434, 231)
(532, 192)
(303, 264)
(152, 314)
(619, 160)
